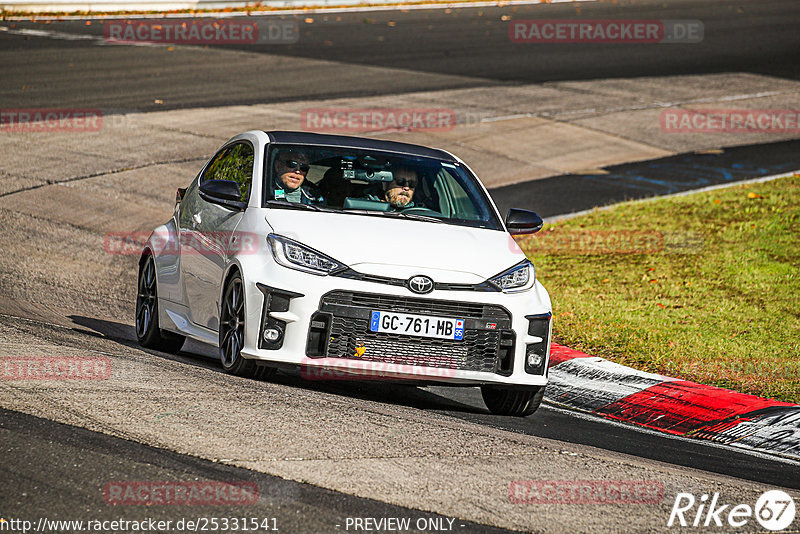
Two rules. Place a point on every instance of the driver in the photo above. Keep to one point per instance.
(400, 191)
(291, 169)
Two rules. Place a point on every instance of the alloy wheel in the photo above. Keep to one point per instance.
(232, 324)
(146, 299)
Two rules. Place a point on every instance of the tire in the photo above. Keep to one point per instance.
(148, 332)
(514, 402)
(231, 333)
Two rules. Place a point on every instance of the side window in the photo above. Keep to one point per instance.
(455, 202)
(235, 163)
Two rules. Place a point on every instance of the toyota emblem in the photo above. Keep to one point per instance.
(420, 284)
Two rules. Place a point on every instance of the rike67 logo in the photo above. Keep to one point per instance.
(774, 510)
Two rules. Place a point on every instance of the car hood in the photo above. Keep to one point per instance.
(401, 247)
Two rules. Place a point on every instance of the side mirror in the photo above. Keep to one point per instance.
(223, 192)
(523, 222)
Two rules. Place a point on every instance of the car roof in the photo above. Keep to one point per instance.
(308, 138)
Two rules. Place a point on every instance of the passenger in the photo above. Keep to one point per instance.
(291, 169)
(400, 191)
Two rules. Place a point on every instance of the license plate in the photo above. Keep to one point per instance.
(417, 325)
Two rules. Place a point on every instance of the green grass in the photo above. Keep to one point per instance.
(704, 287)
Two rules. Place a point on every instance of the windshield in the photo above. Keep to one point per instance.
(363, 182)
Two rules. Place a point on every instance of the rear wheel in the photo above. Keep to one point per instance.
(147, 330)
(515, 402)
(231, 333)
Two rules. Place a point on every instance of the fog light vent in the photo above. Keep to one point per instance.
(272, 330)
(536, 353)
(534, 359)
(272, 334)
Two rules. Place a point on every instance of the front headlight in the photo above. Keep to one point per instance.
(294, 255)
(520, 277)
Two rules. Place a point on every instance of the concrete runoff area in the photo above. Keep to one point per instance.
(62, 294)
(507, 134)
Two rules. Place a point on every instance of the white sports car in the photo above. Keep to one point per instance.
(349, 257)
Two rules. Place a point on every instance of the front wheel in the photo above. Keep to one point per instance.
(231, 333)
(148, 332)
(514, 402)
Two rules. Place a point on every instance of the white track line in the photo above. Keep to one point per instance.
(50, 34)
(300, 11)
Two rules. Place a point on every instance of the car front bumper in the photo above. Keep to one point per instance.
(324, 322)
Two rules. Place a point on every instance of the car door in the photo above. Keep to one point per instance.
(206, 232)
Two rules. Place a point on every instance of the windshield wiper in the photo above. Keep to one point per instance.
(297, 206)
(414, 216)
(395, 214)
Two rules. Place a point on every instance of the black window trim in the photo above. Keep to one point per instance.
(480, 188)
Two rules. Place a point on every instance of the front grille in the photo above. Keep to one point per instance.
(444, 308)
(485, 346)
(442, 286)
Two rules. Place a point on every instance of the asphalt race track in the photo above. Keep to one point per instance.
(320, 453)
(436, 50)
(566, 194)
(55, 473)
